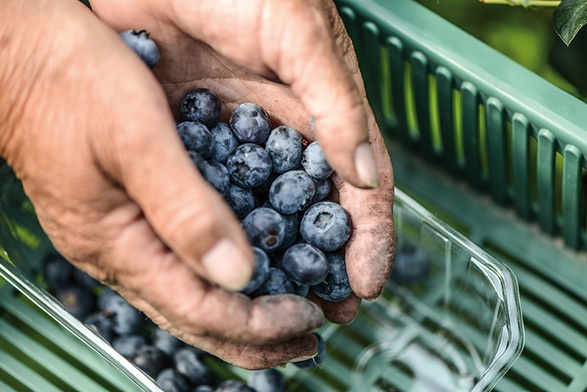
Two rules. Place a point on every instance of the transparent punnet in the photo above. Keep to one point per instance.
(456, 328)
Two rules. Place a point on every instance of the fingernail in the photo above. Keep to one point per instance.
(302, 358)
(226, 266)
(366, 165)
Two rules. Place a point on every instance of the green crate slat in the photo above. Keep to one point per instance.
(397, 71)
(521, 172)
(556, 328)
(349, 345)
(496, 151)
(337, 371)
(56, 334)
(421, 92)
(470, 133)
(550, 295)
(508, 385)
(444, 93)
(580, 380)
(571, 195)
(399, 380)
(45, 357)
(536, 375)
(558, 359)
(6, 388)
(310, 382)
(372, 74)
(546, 156)
(24, 374)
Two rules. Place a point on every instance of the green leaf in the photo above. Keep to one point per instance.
(569, 17)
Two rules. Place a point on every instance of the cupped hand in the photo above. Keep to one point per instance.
(296, 60)
(93, 139)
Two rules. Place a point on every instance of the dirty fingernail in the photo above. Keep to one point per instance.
(302, 358)
(226, 265)
(366, 165)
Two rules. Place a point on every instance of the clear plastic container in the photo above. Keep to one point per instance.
(457, 328)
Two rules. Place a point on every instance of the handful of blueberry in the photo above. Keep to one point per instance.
(275, 182)
(278, 188)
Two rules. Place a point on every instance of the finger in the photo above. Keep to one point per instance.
(255, 357)
(150, 276)
(317, 73)
(146, 157)
(343, 312)
(245, 355)
(370, 248)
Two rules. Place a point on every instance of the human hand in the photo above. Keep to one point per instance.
(92, 197)
(295, 59)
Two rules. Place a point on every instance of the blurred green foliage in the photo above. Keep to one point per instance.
(525, 35)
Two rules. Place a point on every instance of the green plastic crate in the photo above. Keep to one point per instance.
(499, 153)
(496, 151)
(459, 329)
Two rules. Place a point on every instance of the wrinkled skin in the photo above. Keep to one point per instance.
(90, 131)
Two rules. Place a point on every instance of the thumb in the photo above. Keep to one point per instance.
(309, 58)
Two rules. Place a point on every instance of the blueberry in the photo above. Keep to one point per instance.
(249, 166)
(318, 359)
(216, 174)
(129, 345)
(201, 105)
(276, 283)
(101, 324)
(260, 273)
(223, 142)
(265, 228)
(85, 280)
(323, 188)
(326, 225)
(314, 162)
(195, 137)
(77, 300)
(197, 160)
(241, 200)
(151, 360)
(336, 286)
(141, 44)
(170, 380)
(305, 264)
(266, 380)
(301, 289)
(411, 264)
(233, 386)
(105, 297)
(203, 388)
(291, 231)
(189, 364)
(165, 341)
(127, 319)
(250, 123)
(284, 146)
(56, 270)
(261, 192)
(291, 192)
